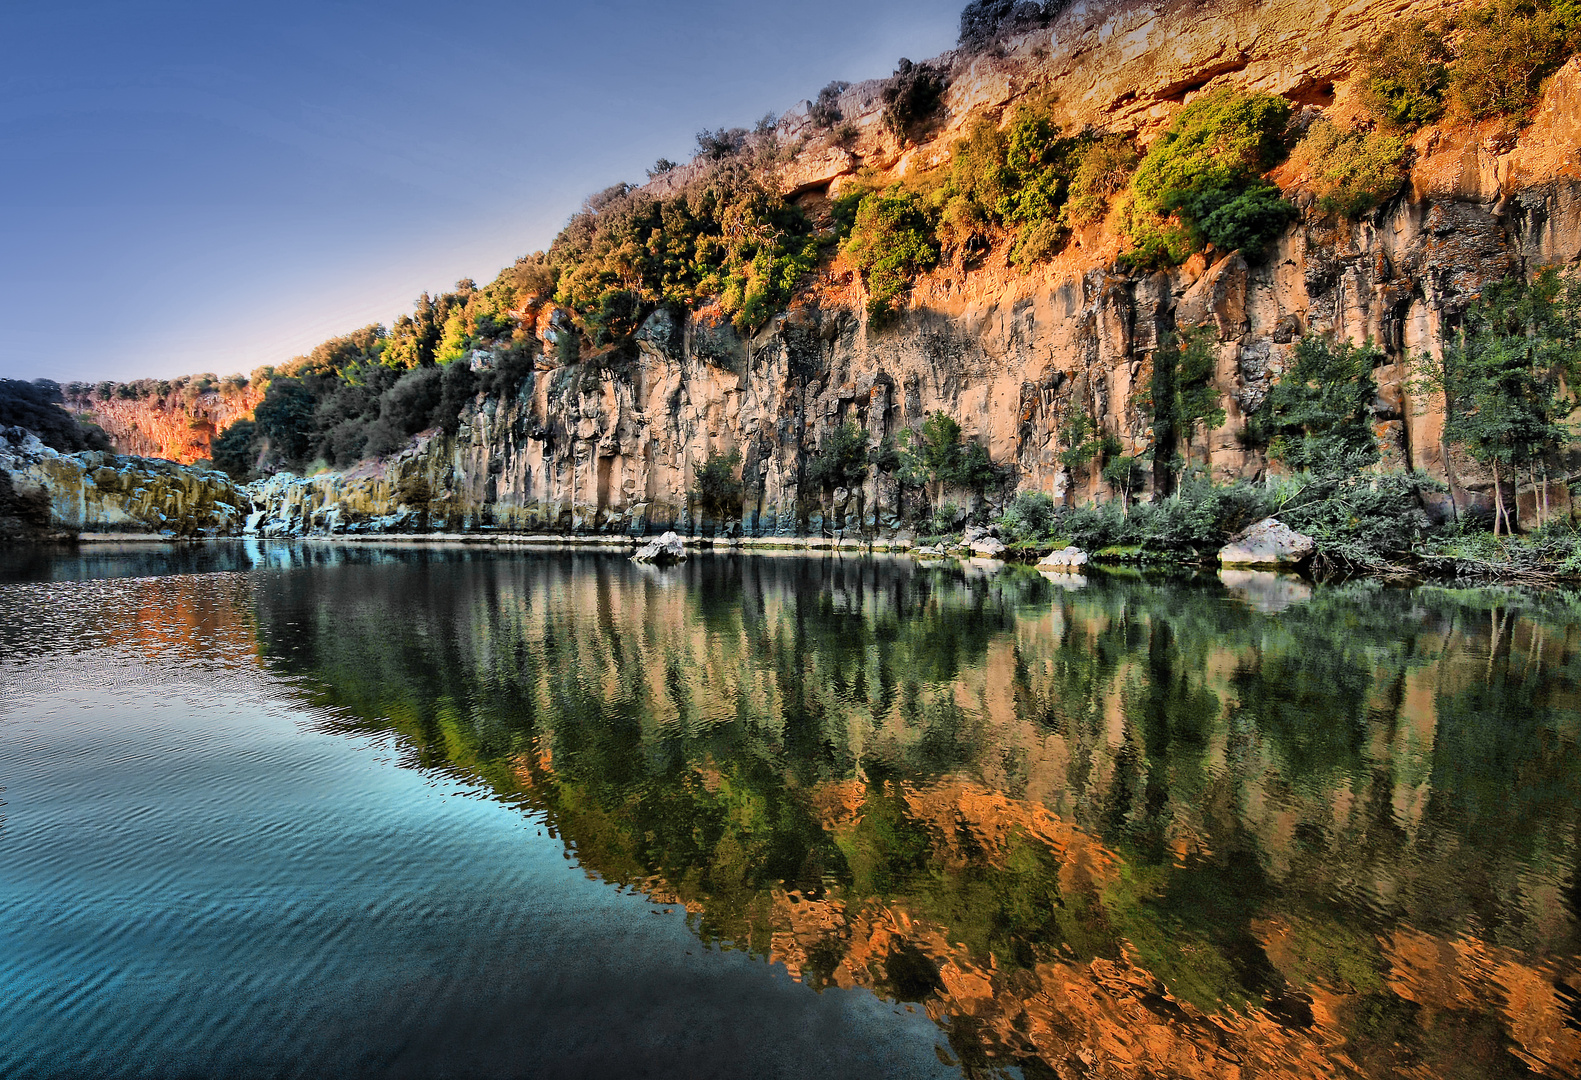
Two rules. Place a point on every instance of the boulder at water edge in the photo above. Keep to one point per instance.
(987, 547)
(666, 549)
(1270, 542)
(1067, 560)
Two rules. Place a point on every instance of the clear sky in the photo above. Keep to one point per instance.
(189, 187)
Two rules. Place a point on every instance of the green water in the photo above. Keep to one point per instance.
(1101, 826)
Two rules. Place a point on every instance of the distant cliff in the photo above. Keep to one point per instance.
(174, 419)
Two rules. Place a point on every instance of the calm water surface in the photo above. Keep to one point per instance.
(276, 810)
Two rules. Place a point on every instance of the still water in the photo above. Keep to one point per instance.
(276, 810)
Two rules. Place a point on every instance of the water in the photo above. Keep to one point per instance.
(277, 810)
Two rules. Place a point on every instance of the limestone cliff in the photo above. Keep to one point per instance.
(45, 494)
(600, 447)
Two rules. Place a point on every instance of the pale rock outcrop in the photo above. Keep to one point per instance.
(1065, 560)
(47, 494)
(665, 549)
(1270, 542)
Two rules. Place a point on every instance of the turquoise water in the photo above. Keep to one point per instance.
(279, 810)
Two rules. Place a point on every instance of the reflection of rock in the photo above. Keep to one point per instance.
(666, 549)
(1064, 560)
(1270, 542)
(1264, 590)
(1064, 578)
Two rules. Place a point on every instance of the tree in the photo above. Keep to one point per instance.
(1183, 397)
(1506, 376)
(1320, 410)
(841, 462)
(890, 243)
(716, 488)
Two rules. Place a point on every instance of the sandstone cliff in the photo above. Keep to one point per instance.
(613, 447)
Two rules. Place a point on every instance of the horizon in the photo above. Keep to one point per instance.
(198, 191)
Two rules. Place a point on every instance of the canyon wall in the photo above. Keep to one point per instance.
(611, 445)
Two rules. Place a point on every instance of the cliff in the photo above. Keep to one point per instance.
(1009, 352)
(45, 494)
(176, 420)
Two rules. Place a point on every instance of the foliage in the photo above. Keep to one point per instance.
(825, 110)
(1031, 515)
(1361, 520)
(985, 22)
(37, 406)
(1351, 171)
(1182, 397)
(890, 242)
(1506, 48)
(1103, 169)
(716, 488)
(1406, 73)
(1320, 411)
(233, 451)
(1489, 61)
(841, 461)
(911, 96)
(1506, 377)
(1201, 180)
(728, 234)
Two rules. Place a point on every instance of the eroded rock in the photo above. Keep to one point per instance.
(668, 548)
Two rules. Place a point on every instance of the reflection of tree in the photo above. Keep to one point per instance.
(944, 786)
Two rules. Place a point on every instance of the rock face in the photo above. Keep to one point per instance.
(666, 549)
(1269, 543)
(178, 426)
(45, 494)
(612, 447)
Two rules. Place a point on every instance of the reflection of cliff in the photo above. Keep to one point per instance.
(1131, 830)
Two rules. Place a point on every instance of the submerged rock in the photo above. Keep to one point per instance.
(1270, 542)
(666, 549)
(1065, 560)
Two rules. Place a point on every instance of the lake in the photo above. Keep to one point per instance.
(313, 810)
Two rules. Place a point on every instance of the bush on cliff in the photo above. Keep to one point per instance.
(890, 242)
(841, 461)
(1319, 413)
(1350, 171)
(717, 488)
(1201, 180)
(1490, 60)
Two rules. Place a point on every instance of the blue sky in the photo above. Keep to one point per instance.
(213, 186)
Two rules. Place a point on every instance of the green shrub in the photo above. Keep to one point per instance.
(1103, 168)
(716, 488)
(841, 462)
(1405, 75)
(891, 241)
(1320, 411)
(1030, 516)
(911, 96)
(1505, 50)
(1351, 171)
(1201, 180)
